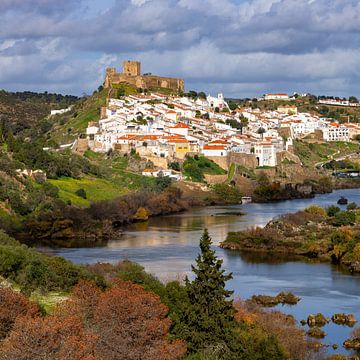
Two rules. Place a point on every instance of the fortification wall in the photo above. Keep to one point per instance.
(145, 82)
(220, 160)
(247, 160)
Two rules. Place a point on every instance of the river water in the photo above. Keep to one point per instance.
(167, 246)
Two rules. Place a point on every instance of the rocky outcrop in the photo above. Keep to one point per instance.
(270, 301)
(317, 320)
(344, 319)
(316, 332)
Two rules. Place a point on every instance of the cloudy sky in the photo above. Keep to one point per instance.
(238, 47)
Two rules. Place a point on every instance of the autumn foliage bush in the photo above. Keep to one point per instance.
(124, 321)
(12, 306)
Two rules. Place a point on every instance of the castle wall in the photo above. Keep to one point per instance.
(131, 75)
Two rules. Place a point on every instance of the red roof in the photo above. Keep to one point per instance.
(214, 147)
(181, 126)
(178, 141)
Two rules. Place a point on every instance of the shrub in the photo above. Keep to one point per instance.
(227, 193)
(333, 210)
(352, 206)
(315, 210)
(343, 218)
(81, 193)
(13, 305)
(32, 270)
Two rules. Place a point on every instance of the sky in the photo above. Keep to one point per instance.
(242, 48)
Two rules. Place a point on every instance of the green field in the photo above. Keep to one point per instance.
(96, 189)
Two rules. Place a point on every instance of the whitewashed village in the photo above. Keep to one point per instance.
(165, 128)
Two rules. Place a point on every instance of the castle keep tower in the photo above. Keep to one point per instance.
(131, 68)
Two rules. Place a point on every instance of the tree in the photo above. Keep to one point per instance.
(132, 322)
(162, 182)
(261, 131)
(201, 95)
(210, 318)
(353, 99)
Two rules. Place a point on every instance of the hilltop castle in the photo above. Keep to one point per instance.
(131, 75)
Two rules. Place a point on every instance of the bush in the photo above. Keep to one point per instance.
(343, 218)
(227, 193)
(352, 206)
(32, 270)
(195, 167)
(315, 210)
(333, 210)
(81, 193)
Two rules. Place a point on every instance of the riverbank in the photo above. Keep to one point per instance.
(331, 235)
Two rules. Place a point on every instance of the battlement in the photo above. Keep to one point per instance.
(132, 75)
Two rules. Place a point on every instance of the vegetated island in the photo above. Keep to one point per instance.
(329, 234)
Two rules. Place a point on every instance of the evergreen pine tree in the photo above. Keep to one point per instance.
(210, 319)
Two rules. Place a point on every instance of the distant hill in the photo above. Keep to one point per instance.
(26, 112)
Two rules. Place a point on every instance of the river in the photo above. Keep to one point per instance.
(167, 246)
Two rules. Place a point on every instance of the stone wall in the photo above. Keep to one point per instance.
(81, 145)
(220, 160)
(158, 162)
(247, 160)
(245, 185)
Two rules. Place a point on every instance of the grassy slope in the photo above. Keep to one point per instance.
(312, 153)
(117, 182)
(69, 127)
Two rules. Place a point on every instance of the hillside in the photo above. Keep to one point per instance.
(26, 112)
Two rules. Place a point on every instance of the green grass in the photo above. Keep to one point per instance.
(117, 182)
(96, 189)
(128, 89)
(232, 170)
(49, 301)
(90, 111)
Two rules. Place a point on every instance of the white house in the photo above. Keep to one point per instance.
(336, 132)
(156, 172)
(265, 154)
(180, 129)
(279, 96)
(61, 111)
(217, 102)
(214, 150)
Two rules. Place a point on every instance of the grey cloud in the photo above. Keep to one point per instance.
(254, 45)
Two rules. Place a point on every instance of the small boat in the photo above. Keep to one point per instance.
(246, 199)
(342, 201)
